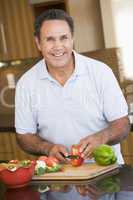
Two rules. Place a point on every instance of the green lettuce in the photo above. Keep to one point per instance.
(104, 155)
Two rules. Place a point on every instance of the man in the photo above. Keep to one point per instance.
(67, 98)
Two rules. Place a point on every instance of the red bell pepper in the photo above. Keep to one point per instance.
(76, 159)
(75, 150)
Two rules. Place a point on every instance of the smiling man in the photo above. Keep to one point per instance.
(56, 44)
(67, 98)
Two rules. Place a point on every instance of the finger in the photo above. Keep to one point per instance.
(89, 156)
(81, 190)
(60, 157)
(92, 189)
(63, 151)
(87, 152)
(83, 146)
(66, 159)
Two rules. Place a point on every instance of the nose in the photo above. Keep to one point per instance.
(57, 44)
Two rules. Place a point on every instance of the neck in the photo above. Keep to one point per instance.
(62, 74)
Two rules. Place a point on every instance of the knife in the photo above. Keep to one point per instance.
(72, 157)
(69, 156)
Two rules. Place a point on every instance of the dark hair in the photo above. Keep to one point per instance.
(52, 14)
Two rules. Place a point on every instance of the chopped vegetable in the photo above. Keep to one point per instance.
(52, 161)
(43, 158)
(25, 163)
(104, 155)
(40, 167)
(13, 165)
(55, 168)
(13, 161)
(51, 165)
(39, 171)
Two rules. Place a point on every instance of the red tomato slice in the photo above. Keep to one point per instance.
(43, 158)
(33, 162)
(51, 161)
(13, 161)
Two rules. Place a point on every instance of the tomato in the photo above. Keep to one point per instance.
(52, 161)
(13, 161)
(76, 161)
(33, 162)
(75, 150)
(43, 158)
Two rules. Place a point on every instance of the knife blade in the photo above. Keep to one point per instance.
(72, 156)
(69, 156)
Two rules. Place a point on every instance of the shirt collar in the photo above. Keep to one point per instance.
(79, 69)
(79, 65)
(42, 70)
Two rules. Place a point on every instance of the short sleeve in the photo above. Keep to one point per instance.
(114, 103)
(25, 120)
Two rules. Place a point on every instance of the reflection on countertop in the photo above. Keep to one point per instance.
(115, 186)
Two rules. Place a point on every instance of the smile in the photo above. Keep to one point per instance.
(58, 55)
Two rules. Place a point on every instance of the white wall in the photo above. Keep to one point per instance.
(123, 13)
(117, 16)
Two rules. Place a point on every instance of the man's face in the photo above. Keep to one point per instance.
(56, 43)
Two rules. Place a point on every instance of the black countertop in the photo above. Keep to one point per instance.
(117, 185)
(12, 129)
(131, 127)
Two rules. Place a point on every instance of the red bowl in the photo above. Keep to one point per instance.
(18, 178)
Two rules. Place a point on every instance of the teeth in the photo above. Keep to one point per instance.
(58, 55)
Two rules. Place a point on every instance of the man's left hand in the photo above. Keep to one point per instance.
(89, 143)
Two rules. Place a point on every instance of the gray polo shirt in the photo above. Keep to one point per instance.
(65, 114)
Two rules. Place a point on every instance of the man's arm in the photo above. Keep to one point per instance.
(117, 131)
(113, 134)
(34, 144)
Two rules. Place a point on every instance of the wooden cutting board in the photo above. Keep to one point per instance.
(83, 172)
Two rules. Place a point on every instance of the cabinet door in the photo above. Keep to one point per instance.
(3, 42)
(9, 148)
(18, 20)
(127, 149)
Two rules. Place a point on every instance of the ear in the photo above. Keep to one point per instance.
(38, 43)
(72, 40)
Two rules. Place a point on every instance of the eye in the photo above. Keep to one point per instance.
(64, 37)
(49, 39)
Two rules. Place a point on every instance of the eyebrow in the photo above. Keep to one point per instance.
(51, 37)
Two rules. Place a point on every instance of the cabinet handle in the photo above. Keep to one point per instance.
(3, 37)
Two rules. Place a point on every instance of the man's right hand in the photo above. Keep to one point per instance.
(59, 151)
(34, 144)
